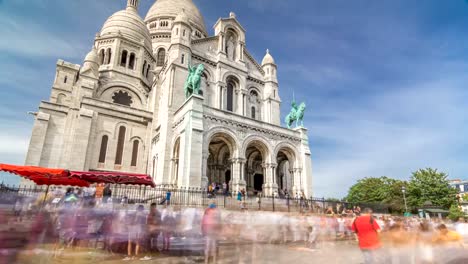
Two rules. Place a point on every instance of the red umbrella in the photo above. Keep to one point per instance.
(44, 176)
(113, 177)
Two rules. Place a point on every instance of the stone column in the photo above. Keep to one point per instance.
(221, 48)
(223, 97)
(204, 179)
(270, 187)
(293, 182)
(238, 181)
(241, 52)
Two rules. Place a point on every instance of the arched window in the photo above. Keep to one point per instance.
(161, 57)
(101, 57)
(61, 98)
(123, 60)
(103, 150)
(148, 70)
(182, 59)
(109, 56)
(144, 68)
(230, 96)
(131, 62)
(65, 79)
(120, 145)
(252, 112)
(183, 33)
(136, 143)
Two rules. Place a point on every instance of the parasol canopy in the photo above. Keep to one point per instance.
(113, 177)
(44, 176)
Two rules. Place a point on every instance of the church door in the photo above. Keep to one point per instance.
(258, 182)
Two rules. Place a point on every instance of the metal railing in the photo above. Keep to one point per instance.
(195, 197)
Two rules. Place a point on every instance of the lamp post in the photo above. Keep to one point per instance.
(403, 190)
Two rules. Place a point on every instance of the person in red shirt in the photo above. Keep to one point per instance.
(367, 231)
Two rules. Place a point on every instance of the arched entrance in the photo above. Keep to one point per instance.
(219, 166)
(255, 154)
(285, 158)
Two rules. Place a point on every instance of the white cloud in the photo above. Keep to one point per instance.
(392, 134)
(26, 38)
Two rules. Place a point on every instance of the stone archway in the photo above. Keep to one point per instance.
(257, 176)
(221, 148)
(285, 157)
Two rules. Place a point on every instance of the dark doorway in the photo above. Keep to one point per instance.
(227, 176)
(258, 182)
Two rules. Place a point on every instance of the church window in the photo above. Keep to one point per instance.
(144, 68)
(135, 153)
(273, 71)
(103, 150)
(109, 56)
(230, 97)
(131, 62)
(148, 70)
(61, 98)
(120, 145)
(177, 32)
(183, 33)
(161, 57)
(101, 57)
(123, 60)
(182, 60)
(274, 93)
(252, 110)
(122, 98)
(268, 70)
(164, 23)
(65, 79)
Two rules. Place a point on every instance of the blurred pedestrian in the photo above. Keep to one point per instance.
(211, 227)
(367, 232)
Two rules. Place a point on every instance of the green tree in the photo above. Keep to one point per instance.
(455, 212)
(430, 185)
(378, 190)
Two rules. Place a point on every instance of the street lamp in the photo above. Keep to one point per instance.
(403, 190)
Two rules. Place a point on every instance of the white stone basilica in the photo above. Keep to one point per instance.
(125, 110)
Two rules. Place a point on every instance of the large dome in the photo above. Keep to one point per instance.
(171, 8)
(129, 24)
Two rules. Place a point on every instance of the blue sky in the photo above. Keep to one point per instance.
(385, 82)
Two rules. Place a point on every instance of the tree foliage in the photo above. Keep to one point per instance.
(378, 190)
(429, 185)
(455, 213)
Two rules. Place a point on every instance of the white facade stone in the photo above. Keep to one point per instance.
(125, 108)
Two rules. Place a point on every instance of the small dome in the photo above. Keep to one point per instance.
(129, 24)
(172, 8)
(92, 56)
(268, 59)
(90, 65)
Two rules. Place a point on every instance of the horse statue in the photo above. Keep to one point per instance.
(192, 84)
(296, 114)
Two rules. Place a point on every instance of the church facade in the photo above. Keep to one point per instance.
(125, 109)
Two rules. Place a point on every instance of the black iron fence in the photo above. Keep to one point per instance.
(191, 197)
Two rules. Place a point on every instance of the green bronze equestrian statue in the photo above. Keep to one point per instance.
(296, 114)
(192, 84)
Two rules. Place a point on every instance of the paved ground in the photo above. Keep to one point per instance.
(259, 253)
